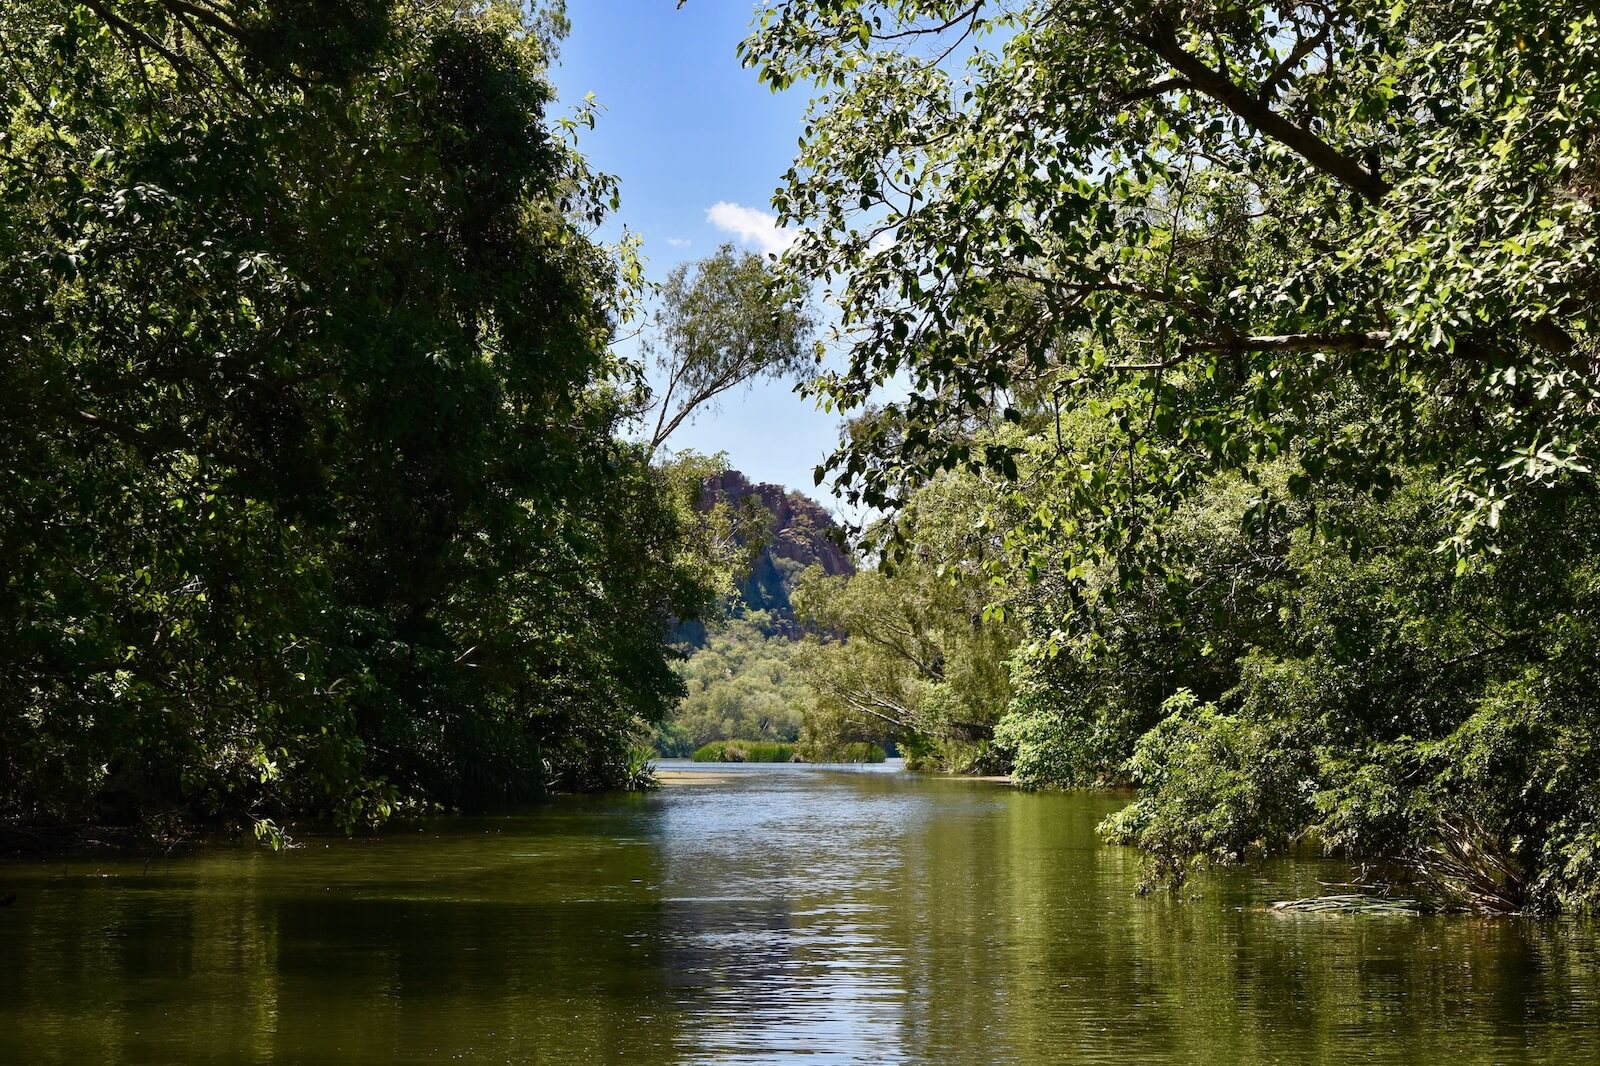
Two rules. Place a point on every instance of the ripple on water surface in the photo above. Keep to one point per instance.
(763, 915)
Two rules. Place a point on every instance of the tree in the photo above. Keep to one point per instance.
(725, 321)
(1270, 202)
(743, 685)
(1289, 309)
(911, 655)
(310, 435)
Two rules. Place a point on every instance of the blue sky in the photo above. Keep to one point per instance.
(699, 146)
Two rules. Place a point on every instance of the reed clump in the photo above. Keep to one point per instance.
(746, 751)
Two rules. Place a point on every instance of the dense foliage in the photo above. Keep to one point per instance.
(311, 495)
(742, 685)
(745, 751)
(1278, 320)
(907, 655)
(1283, 688)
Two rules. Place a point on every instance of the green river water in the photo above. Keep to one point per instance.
(759, 915)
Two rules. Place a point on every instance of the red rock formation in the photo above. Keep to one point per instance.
(802, 534)
(802, 530)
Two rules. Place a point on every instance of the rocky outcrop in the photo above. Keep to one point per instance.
(802, 531)
(802, 534)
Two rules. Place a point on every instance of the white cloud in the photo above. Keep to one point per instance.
(750, 226)
(678, 242)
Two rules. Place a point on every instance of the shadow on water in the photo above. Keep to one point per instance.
(754, 915)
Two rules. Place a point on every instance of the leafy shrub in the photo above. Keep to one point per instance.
(745, 751)
(1214, 787)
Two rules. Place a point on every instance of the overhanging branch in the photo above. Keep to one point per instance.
(1163, 41)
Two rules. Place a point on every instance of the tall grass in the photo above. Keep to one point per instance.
(745, 751)
(772, 751)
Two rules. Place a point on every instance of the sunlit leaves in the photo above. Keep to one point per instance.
(1116, 198)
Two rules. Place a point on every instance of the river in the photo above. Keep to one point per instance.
(759, 915)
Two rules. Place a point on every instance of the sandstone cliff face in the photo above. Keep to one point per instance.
(802, 534)
(802, 531)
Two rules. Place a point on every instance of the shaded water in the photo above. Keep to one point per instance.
(759, 916)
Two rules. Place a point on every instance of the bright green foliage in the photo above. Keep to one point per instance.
(1237, 210)
(311, 498)
(766, 751)
(910, 655)
(1291, 311)
(742, 685)
(1216, 788)
(1101, 664)
(745, 751)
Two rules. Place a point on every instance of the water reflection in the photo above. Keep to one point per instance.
(759, 916)
(784, 953)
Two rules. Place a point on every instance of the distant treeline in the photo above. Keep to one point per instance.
(764, 751)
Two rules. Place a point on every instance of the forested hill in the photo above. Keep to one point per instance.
(801, 533)
(741, 679)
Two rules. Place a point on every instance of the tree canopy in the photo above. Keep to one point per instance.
(908, 655)
(723, 322)
(313, 500)
(1272, 328)
(1234, 213)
